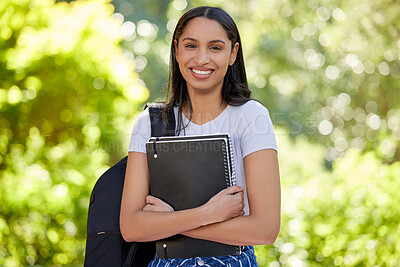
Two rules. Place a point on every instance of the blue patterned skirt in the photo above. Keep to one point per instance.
(246, 258)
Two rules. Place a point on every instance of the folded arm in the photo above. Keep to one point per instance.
(140, 221)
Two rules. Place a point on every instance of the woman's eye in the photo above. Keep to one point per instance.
(216, 48)
(190, 46)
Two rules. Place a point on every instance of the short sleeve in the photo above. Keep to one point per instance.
(257, 132)
(141, 133)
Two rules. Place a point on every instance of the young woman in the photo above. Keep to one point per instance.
(209, 94)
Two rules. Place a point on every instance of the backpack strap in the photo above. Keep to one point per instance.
(131, 255)
(158, 126)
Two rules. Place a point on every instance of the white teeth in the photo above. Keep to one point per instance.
(201, 71)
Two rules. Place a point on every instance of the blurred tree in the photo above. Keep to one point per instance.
(344, 217)
(146, 40)
(67, 97)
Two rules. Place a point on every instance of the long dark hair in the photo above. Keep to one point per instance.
(235, 90)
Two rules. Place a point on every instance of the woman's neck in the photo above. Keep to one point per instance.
(205, 107)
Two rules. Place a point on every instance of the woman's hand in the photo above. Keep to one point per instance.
(225, 205)
(156, 204)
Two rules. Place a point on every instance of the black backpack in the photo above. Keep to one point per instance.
(104, 244)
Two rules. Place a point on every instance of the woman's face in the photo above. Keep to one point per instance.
(204, 53)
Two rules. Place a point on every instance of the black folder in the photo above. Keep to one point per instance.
(185, 172)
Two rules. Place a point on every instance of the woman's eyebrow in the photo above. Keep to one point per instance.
(194, 40)
(217, 41)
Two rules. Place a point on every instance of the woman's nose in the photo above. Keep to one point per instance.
(202, 57)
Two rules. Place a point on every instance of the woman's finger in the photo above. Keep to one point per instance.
(151, 200)
(147, 207)
(233, 189)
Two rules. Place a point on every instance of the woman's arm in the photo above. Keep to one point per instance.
(139, 222)
(264, 195)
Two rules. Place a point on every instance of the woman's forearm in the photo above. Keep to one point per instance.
(243, 230)
(212, 221)
(143, 226)
(153, 222)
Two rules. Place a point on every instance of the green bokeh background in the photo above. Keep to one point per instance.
(74, 74)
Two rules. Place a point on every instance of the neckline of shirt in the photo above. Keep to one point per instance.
(185, 119)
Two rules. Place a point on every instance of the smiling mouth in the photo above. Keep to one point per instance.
(202, 72)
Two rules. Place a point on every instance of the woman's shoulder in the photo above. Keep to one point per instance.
(142, 121)
(143, 116)
(251, 107)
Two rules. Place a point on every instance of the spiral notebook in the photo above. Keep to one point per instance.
(185, 172)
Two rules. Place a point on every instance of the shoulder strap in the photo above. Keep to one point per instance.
(131, 254)
(158, 127)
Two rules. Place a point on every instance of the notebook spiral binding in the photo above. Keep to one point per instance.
(229, 164)
(233, 173)
(226, 165)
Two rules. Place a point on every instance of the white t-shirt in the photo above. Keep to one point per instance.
(248, 125)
